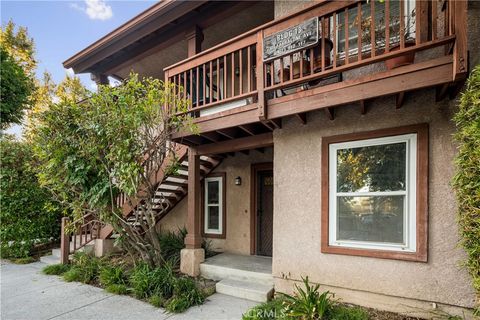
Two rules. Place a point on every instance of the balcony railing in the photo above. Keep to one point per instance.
(350, 34)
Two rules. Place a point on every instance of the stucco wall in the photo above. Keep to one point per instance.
(237, 203)
(296, 248)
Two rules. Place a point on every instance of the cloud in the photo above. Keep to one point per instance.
(95, 9)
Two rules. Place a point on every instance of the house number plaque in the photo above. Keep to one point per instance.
(295, 38)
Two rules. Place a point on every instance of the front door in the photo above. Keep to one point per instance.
(264, 212)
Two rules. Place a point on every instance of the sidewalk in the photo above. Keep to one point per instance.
(28, 294)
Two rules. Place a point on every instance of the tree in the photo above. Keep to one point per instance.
(113, 143)
(17, 67)
(29, 215)
(15, 90)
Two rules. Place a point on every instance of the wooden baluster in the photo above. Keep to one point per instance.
(233, 74)
(312, 68)
(359, 31)
(323, 44)
(204, 81)
(272, 72)
(184, 96)
(291, 67)
(211, 82)
(225, 76)
(373, 47)
(191, 89)
(387, 25)
(434, 19)
(281, 70)
(197, 85)
(218, 79)
(64, 242)
(74, 241)
(249, 68)
(240, 73)
(301, 63)
(402, 24)
(347, 26)
(335, 40)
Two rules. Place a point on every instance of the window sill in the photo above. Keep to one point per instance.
(375, 253)
(214, 235)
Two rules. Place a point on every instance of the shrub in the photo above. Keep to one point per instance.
(156, 301)
(117, 288)
(177, 304)
(56, 269)
(25, 260)
(29, 215)
(171, 244)
(343, 312)
(308, 303)
(147, 281)
(186, 288)
(112, 275)
(270, 310)
(73, 274)
(467, 177)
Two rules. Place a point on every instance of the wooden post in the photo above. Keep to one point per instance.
(64, 242)
(193, 240)
(460, 59)
(194, 40)
(262, 106)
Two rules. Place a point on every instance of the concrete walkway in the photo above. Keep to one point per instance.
(28, 294)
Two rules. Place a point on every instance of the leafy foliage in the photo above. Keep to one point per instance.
(270, 310)
(92, 151)
(16, 88)
(147, 281)
(112, 275)
(307, 303)
(56, 269)
(467, 178)
(186, 294)
(117, 288)
(29, 215)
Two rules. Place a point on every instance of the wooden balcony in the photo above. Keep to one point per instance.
(244, 86)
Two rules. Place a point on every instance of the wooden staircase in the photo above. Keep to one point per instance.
(171, 188)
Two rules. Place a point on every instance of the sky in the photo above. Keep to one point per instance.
(62, 28)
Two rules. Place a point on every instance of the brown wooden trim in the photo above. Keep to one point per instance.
(421, 254)
(250, 142)
(223, 235)
(255, 168)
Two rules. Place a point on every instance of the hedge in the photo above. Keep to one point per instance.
(466, 181)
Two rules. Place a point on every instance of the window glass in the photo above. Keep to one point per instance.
(213, 218)
(213, 192)
(372, 168)
(376, 219)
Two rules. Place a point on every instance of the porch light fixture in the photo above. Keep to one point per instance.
(238, 181)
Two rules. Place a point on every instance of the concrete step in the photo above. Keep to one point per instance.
(50, 259)
(218, 272)
(245, 289)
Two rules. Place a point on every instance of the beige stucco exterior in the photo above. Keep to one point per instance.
(237, 203)
(439, 285)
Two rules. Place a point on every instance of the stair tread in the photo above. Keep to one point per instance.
(247, 285)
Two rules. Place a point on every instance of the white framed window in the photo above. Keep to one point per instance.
(372, 193)
(214, 205)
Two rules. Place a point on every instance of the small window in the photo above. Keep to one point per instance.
(372, 194)
(214, 208)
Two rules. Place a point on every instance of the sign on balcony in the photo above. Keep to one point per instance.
(295, 38)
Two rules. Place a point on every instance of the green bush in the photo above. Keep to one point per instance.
(146, 281)
(177, 304)
(467, 177)
(308, 303)
(112, 275)
(25, 260)
(29, 215)
(117, 288)
(156, 301)
(56, 269)
(73, 274)
(186, 289)
(342, 312)
(171, 244)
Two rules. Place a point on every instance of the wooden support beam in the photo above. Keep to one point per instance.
(261, 150)
(262, 103)
(302, 117)
(193, 239)
(399, 99)
(441, 92)
(277, 123)
(249, 128)
(363, 107)
(64, 242)
(195, 140)
(460, 52)
(230, 133)
(194, 39)
(330, 113)
(258, 141)
(212, 136)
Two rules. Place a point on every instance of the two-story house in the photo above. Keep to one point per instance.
(325, 145)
